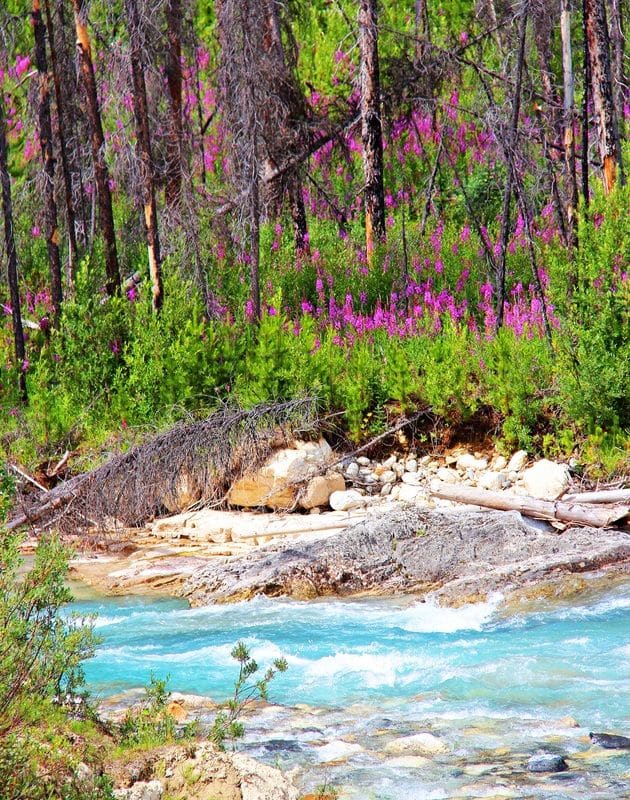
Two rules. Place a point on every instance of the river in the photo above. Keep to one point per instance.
(494, 688)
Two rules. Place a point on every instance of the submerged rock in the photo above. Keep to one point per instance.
(418, 744)
(610, 741)
(547, 762)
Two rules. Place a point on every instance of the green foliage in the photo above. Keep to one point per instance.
(247, 688)
(150, 724)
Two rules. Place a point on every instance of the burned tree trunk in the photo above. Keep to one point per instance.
(143, 145)
(619, 82)
(371, 126)
(585, 118)
(173, 189)
(97, 140)
(12, 267)
(569, 122)
(44, 126)
(601, 86)
(61, 135)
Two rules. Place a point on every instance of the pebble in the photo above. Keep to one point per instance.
(411, 465)
(352, 469)
(467, 461)
(412, 478)
(389, 476)
(418, 744)
(364, 461)
(389, 462)
(447, 475)
(386, 489)
(347, 500)
(518, 461)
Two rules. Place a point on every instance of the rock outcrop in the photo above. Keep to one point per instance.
(460, 556)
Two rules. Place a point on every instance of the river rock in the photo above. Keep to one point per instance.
(418, 744)
(493, 481)
(610, 741)
(462, 554)
(389, 476)
(274, 484)
(546, 480)
(518, 461)
(409, 493)
(319, 489)
(412, 478)
(547, 762)
(347, 500)
(447, 475)
(467, 461)
(352, 470)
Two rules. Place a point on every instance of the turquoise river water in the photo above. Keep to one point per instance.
(495, 688)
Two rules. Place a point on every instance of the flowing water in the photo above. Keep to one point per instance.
(362, 674)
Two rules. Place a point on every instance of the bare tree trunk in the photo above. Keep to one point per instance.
(254, 249)
(61, 135)
(585, 118)
(619, 82)
(542, 34)
(101, 173)
(601, 86)
(509, 148)
(371, 126)
(173, 189)
(44, 125)
(569, 121)
(12, 267)
(143, 144)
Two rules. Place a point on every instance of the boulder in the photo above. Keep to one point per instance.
(518, 461)
(418, 744)
(276, 483)
(547, 762)
(546, 480)
(319, 489)
(347, 500)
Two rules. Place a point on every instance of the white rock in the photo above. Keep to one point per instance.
(450, 459)
(386, 489)
(347, 500)
(493, 481)
(518, 461)
(447, 475)
(467, 461)
(412, 478)
(389, 462)
(408, 493)
(151, 790)
(389, 476)
(365, 470)
(419, 744)
(425, 461)
(411, 465)
(499, 463)
(364, 461)
(398, 468)
(352, 470)
(546, 479)
(319, 489)
(395, 492)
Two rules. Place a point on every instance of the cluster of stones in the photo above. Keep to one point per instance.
(297, 477)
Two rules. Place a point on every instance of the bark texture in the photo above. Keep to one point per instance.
(174, 83)
(371, 126)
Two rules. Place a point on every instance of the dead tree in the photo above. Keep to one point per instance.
(371, 126)
(44, 126)
(569, 121)
(586, 94)
(97, 140)
(143, 147)
(601, 86)
(619, 81)
(173, 190)
(509, 147)
(12, 265)
(63, 152)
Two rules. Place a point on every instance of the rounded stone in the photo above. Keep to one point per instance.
(547, 762)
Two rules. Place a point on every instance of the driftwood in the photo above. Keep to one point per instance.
(600, 496)
(560, 510)
(198, 461)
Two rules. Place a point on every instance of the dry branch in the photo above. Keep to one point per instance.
(200, 459)
(561, 510)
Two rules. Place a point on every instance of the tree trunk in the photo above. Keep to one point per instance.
(371, 126)
(542, 35)
(569, 121)
(143, 146)
(585, 120)
(601, 87)
(12, 267)
(61, 135)
(619, 82)
(44, 125)
(571, 512)
(173, 189)
(509, 181)
(97, 140)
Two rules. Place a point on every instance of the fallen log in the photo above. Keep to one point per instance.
(600, 496)
(560, 510)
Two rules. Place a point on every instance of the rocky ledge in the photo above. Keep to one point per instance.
(458, 556)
